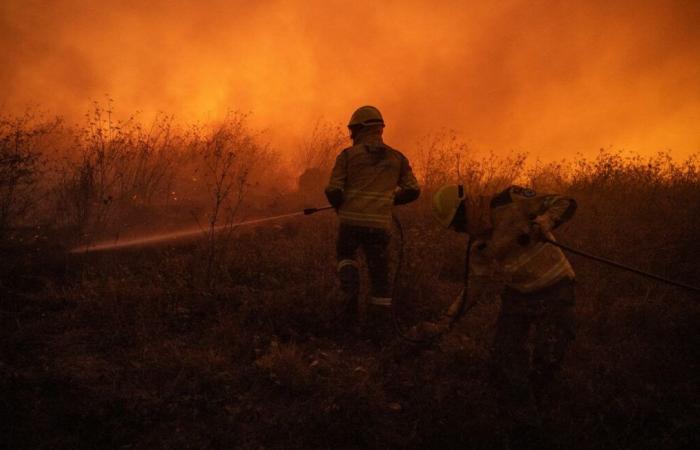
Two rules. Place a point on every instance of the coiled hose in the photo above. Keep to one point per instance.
(453, 315)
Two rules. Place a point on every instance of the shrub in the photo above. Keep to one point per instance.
(22, 144)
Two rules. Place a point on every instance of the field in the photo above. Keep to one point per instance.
(232, 340)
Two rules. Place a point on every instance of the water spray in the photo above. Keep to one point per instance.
(193, 232)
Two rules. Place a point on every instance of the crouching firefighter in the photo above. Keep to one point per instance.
(368, 179)
(538, 292)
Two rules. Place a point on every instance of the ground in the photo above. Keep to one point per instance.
(141, 349)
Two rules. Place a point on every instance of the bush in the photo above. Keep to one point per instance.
(22, 146)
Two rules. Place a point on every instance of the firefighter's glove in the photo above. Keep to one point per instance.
(335, 197)
(404, 196)
(539, 226)
(544, 222)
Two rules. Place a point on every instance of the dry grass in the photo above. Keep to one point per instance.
(139, 349)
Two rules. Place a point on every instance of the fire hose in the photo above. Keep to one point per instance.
(453, 315)
(618, 265)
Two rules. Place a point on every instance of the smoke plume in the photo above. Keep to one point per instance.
(549, 77)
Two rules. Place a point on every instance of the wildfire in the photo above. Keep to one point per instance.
(552, 79)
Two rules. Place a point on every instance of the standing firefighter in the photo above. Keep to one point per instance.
(538, 292)
(367, 180)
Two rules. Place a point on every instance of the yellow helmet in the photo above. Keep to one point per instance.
(446, 201)
(366, 115)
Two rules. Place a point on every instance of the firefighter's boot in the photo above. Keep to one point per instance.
(379, 319)
(349, 277)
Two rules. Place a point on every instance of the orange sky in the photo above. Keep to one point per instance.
(551, 78)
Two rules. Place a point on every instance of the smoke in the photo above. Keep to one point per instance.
(551, 78)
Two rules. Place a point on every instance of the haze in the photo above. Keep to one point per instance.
(549, 78)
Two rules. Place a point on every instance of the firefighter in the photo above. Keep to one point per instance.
(538, 292)
(367, 180)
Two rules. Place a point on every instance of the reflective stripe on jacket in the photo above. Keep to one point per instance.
(527, 265)
(368, 175)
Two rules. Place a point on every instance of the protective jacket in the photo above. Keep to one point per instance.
(526, 263)
(364, 181)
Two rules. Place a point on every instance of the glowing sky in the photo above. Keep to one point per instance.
(549, 77)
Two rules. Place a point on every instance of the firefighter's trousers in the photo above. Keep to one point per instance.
(549, 315)
(374, 243)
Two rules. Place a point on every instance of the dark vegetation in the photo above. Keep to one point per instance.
(230, 341)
